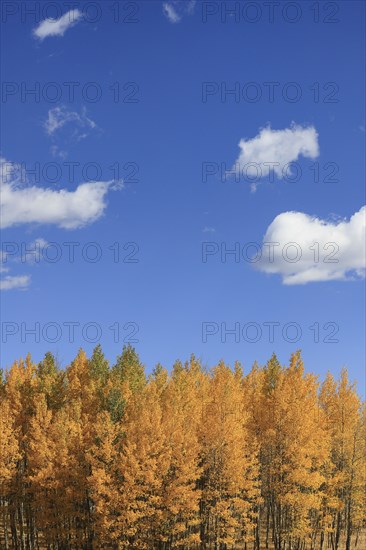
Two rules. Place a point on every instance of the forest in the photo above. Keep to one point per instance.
(99, 456)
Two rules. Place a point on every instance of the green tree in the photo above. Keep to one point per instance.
(129, 370)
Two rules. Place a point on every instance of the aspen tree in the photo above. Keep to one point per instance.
(104, 455)
(142, 468)
(345, 420)
(181, 407)
(41, 472)
(9, 457)
(129, 370)
(229, 480)
(20, 392)
(51, 382)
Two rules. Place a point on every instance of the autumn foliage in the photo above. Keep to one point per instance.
(100, 457)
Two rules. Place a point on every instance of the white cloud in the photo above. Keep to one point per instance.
(176, 9)
(20, 282)
(275, 149)
(324, 250)
(59, 116)
(57, 27)
(66, 209)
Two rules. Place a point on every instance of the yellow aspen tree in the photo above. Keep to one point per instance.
(230, 476)
(95, 405)
(358, 508)
(305, 450)
(81, 386)
(9, 457)
(126, 473)
(41, 474)
(261, 397)
(181, 407)
(20, 392)
(74, 470)
(75, 426)
(345, 421)
(103, 482)
(142, 469)
(288, 422)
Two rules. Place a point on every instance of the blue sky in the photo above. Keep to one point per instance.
(170, 124)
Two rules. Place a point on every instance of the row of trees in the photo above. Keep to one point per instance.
(94, 457)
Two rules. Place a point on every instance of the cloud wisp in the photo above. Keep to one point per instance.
(304, 249)
(15, 282)
(174, 10)
(58, 117)
(57, 27)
